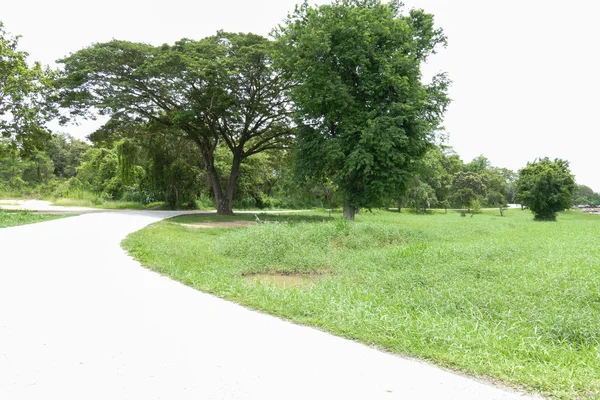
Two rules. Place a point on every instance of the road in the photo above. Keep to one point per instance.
(79, 319)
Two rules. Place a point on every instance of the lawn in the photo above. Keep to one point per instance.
(507, 298)
(13, 218)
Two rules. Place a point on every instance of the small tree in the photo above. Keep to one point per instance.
(546, 187)
(467, 187)
(497, 199)
(421, 195)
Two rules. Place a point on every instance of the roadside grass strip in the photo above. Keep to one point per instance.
(13, 218)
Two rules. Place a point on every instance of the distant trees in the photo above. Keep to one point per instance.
(546, 187)
(585, 195)
(442, 180)
(66, 153)
(363, 112)
(467, 187)
(39, 170)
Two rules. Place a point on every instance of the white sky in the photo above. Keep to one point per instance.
(525, 72)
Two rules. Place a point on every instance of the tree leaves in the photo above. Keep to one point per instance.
(355, 66)
(221, 89)
(546, 187)
(24, 93)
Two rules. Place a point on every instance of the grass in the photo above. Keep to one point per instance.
(108, 205)
(507, 298)
(13, 218)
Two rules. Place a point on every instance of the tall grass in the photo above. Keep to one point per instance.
(508, 298)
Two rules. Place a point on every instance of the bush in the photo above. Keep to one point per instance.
(546, 187)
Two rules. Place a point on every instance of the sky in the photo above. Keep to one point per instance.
(524, 72)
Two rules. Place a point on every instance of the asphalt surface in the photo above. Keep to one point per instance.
(79, 319)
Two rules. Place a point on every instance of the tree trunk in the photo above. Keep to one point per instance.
(233, 177)
(349, 211)
(177, 203)
(224, 206)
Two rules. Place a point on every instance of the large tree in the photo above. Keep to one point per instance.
(364, 113)
(24, 108)
(221, 89)
(546, 187)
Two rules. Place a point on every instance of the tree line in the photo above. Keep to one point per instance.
(332, 108)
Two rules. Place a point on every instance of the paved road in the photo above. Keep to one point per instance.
(81, 320)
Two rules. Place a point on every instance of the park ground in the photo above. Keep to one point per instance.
(503, 298)
(75, 308)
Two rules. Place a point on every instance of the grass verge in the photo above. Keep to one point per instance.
(13, 218)
(108, 205)
(507, 298)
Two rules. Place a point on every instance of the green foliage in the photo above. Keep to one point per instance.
(467, 187)
(482, 295)
(66, 154)
(364, 113)
(478, 165)
(546, 187)
(436, 170)
(421, 195)
(586, 196)
(24, 91)
(98, 172)
(221, 89)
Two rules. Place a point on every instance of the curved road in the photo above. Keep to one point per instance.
(79, 319)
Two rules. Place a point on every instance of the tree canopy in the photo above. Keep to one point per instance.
(364, 113)
(24, 90)
(546, 187)
(219, 90)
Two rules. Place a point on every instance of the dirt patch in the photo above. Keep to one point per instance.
(285, 280)
(224, 224)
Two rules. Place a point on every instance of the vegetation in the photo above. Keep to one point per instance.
(333, 112)
(219, 89)
(482, 295)
(364, 114)
(13, 218)
(546, 187)
(24, 90)
(585, 195)
(236, 120)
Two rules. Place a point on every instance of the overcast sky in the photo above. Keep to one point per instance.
(524, 72)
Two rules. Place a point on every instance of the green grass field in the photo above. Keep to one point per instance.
(13, 218)
(507, 298)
